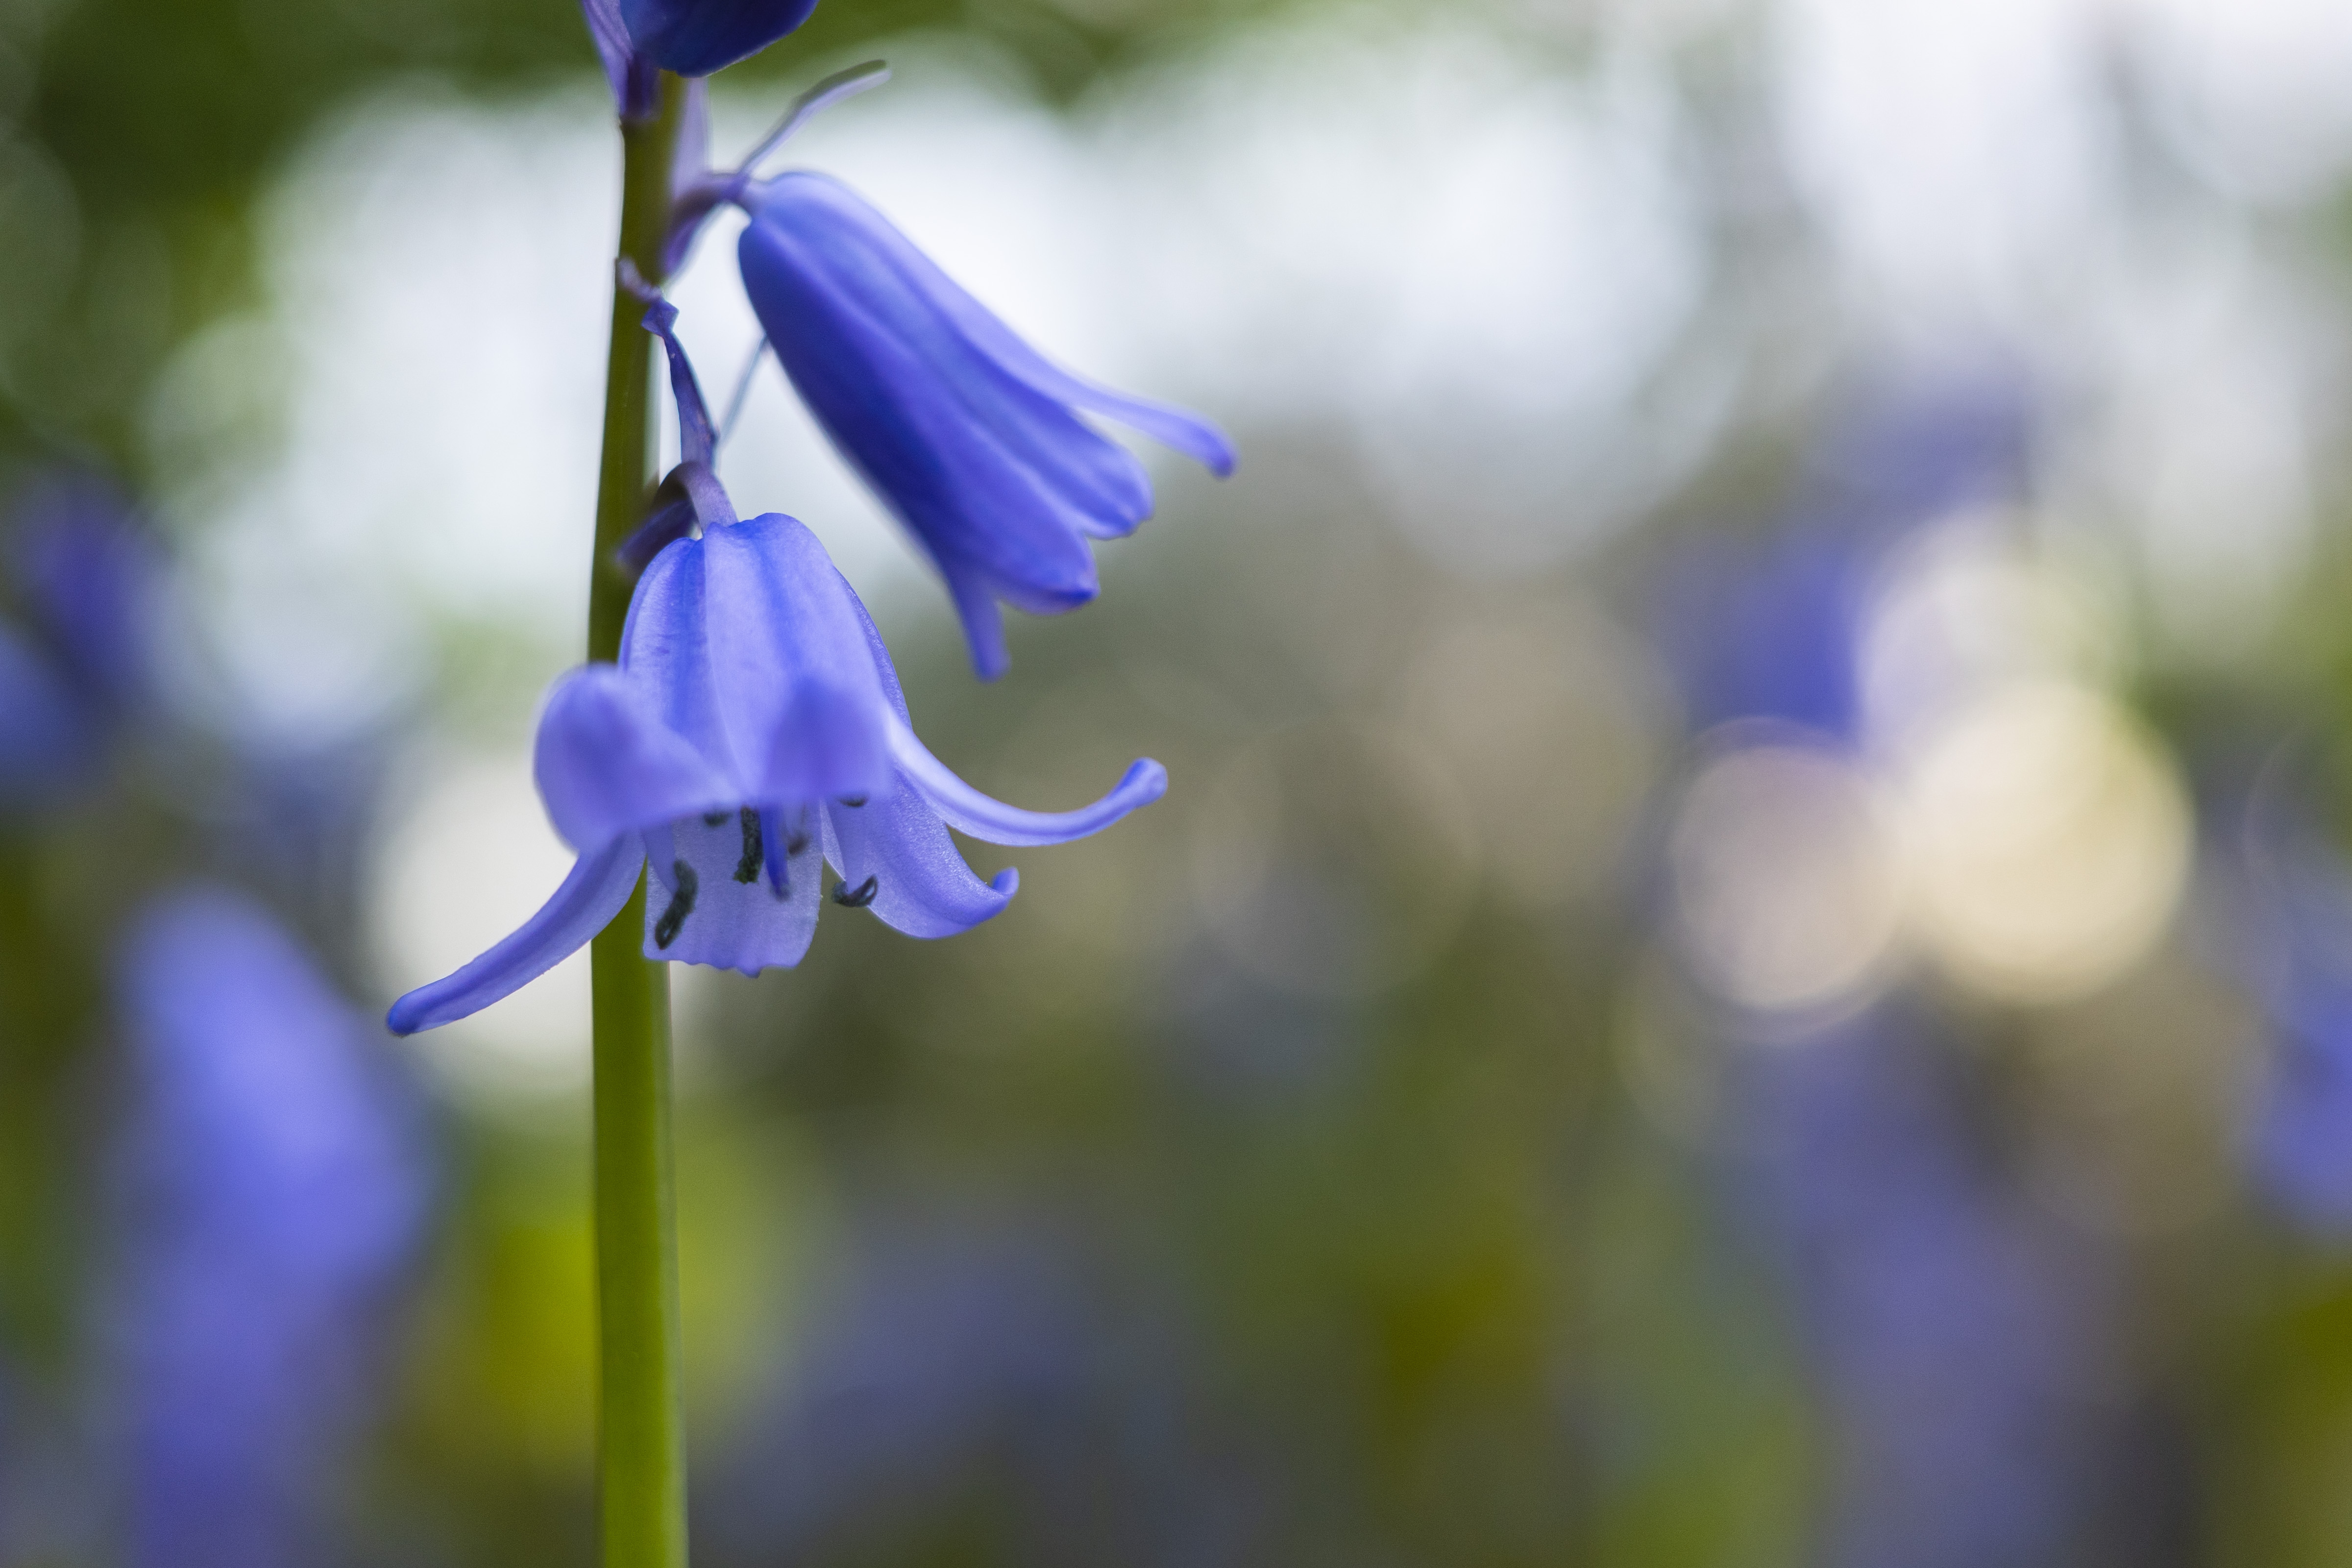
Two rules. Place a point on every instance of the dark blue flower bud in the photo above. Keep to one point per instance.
(696, 37)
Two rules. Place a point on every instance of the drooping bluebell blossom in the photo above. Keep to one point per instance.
(274, 1182)
(973, 438)
(754, 725)
(638, 39)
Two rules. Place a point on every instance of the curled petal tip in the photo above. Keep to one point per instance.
(1006, 882)
(993, 821)
(1146, 782)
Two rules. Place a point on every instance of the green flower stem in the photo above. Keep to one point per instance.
(641, 1444)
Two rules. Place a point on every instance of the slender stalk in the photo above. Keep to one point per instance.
(641, 1446)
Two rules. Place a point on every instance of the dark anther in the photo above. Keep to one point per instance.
(682, 904)
(856, 897)
(853, 801)
(797, 841)
(747, 870)
(713, 818)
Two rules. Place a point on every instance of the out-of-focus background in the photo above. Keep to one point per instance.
(1750, 957)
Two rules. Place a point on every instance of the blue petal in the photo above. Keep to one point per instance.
(1175, 427)
(923, 886)
(695, 37)
(600, 883)
(606, 765)
(665, 653)
(976, 814)
(983, 624)
(734, 922)
(796, 687)
(987, 818)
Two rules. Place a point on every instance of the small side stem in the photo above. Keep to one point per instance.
(641, 1440)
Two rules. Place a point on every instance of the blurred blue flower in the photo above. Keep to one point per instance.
(637, 38)
(1951, 1333)
(92, 580)
(1770, 627)
(968, 434)
(87, 582)
(754, 722)
(948, 1359)
(48, 739)
(2290, 927)
(1950, 1330)
(276, 1182)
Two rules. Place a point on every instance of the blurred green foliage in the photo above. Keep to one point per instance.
(1465, 1299)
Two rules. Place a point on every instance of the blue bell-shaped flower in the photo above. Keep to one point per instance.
(973, 438)
(753, 728)
(754, 725)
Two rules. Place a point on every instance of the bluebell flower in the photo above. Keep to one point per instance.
(276, 1185)
(973, 438)
(753, 724)
(637, 38)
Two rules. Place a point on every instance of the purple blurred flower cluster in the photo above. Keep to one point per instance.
(274, 1178)
(269, 1177)
(1952, 1337)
